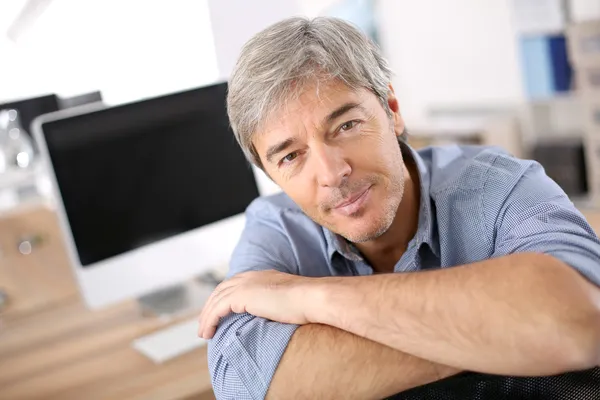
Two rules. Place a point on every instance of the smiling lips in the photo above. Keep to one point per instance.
(354, 203)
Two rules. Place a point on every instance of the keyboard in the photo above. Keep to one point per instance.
(165, 344)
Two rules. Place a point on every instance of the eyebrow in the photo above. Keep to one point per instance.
(338, 112)
(278, 148)
(335, 114)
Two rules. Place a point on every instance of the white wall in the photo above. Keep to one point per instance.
(584, 10)
(128, 49)
(134, 48)
(450, 52)
(234, 22)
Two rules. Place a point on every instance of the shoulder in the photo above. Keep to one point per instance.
(277, 235)
(282, 215)
(490, 180)
(471, 188)
(276, 211)
(268, 206)
(473, 167)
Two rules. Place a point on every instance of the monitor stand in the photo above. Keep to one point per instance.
(183, 302)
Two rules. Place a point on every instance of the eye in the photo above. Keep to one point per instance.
(289, 158)
(348, 126)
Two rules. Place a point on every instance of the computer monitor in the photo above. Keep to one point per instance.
(149, 193)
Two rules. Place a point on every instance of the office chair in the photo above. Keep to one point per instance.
(579, 385)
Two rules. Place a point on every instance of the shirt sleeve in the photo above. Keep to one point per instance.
(245, 351)
(537, 216)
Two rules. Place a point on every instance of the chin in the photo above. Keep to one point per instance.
(370, 222)
(365, 234)
(365, 228)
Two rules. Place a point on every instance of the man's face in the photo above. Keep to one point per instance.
(335, 152)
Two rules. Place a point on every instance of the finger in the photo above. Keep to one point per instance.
(204, 312)
(216, 295)
(213, 311)
(208, 310)
(220, 309)
(222, 286)
(205, 307)
(214, 298)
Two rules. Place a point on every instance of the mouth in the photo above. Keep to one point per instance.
(354, 203)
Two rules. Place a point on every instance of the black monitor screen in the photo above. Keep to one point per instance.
(133, 174)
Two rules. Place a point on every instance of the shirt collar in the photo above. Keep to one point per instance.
(426, 233)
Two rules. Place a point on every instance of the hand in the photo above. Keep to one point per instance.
(273, 295)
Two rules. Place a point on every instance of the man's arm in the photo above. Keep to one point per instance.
(322, 362)
(528, 310)
(249, 356)
(540, 319)
(524, 314)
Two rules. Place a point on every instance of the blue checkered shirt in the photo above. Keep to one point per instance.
(476, 203)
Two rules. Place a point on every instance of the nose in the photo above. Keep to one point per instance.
(331, 166)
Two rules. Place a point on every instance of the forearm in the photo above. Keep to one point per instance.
(325, 362)
(502, 316)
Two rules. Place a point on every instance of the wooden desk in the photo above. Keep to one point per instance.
(52, 347)
(67, 352)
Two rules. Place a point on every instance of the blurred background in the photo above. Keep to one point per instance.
(520, 74)
(458, 64)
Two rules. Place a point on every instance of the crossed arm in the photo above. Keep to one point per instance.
(428, 325)
(323, 362)
(522, 312)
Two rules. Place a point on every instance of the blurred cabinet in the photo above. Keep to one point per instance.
(584, 53)
(591, 110)
(564, 162)
(469, 126)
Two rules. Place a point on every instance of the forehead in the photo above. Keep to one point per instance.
(309, 105)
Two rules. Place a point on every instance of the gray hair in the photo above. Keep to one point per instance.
(278, 62)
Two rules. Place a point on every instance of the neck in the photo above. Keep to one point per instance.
(384, 252)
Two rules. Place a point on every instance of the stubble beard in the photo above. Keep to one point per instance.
(386, 220)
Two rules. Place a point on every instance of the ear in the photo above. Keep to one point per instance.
(395, 109)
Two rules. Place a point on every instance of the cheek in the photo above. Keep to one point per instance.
(376, 153)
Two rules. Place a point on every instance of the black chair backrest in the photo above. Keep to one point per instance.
(579, 385)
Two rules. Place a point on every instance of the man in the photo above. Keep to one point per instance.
(382, 268)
